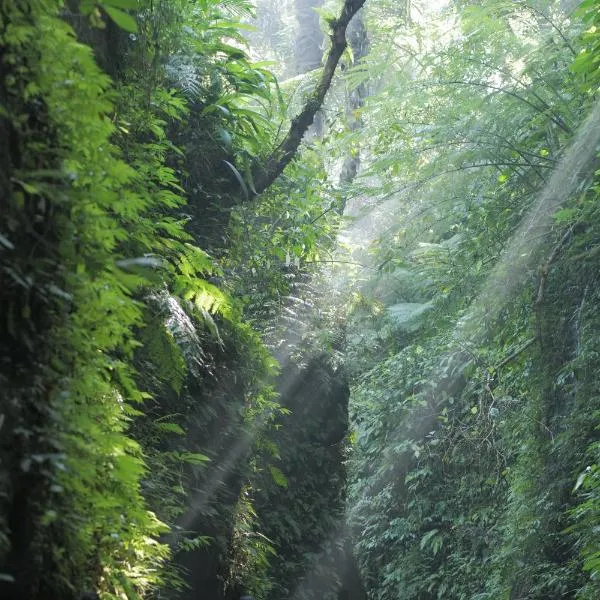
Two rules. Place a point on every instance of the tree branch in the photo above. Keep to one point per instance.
(556, 119)
(265, 175)
(514, 354)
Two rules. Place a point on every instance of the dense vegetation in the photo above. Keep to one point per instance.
(364, 367)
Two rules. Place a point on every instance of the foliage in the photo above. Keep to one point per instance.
(150, 443)
(300, 496)
(93, 241)
(252, 552)
(234, 107)
(93, 202)
(471, 433)
(586, 62)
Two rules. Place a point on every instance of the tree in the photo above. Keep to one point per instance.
(264, 175)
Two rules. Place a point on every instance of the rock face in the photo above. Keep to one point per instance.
(306, 518)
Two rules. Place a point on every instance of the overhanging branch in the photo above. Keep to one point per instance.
(266, 174)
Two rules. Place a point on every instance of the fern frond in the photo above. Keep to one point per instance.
(237, 8)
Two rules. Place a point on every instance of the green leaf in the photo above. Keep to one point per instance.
(212, 107)
(427, 537)
(171, 428)
(6, 242)
(239, 177)
(565, 215)
(121, 18)
(278, 477)
(121, 3)
(86, 7)
(193, 458)
(580, 480)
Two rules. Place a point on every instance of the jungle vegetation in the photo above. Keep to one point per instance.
(298, 299)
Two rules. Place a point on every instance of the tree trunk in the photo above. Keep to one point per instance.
(265, 175)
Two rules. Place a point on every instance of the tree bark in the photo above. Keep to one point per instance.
(265, 175)
(308, 53)
(359, 43)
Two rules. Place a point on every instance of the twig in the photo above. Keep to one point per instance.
(341, 262)
(556, 119)
(514, 354)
